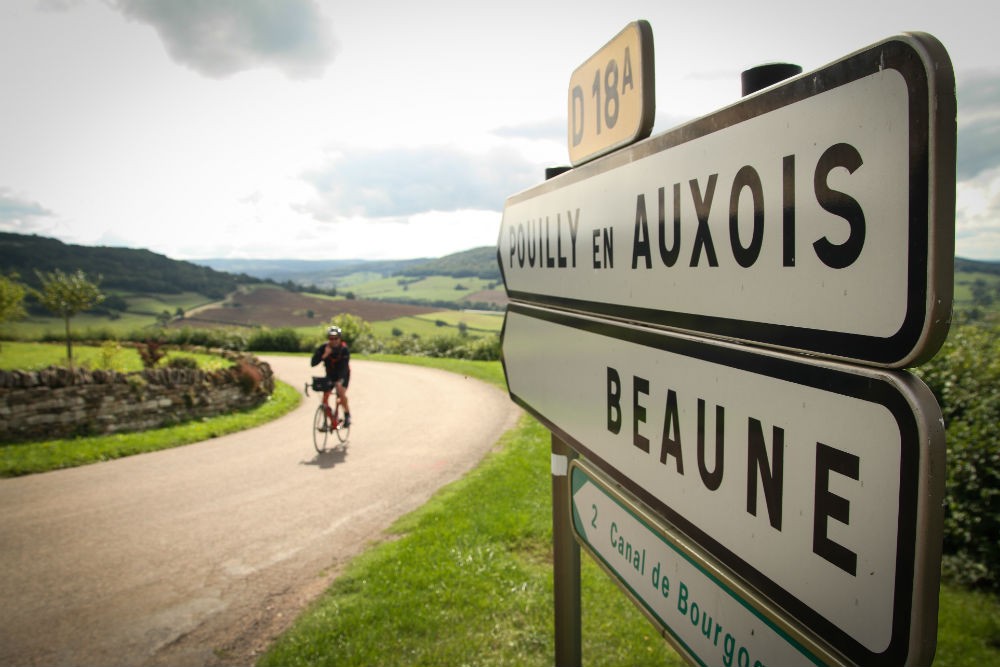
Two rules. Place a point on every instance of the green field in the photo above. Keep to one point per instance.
(439, 323)
(442, 323)
(964, 283)
(16, 355)
(431, 288)
(141, 314)
(154, 304)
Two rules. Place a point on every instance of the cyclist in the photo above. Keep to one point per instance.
(336, 358)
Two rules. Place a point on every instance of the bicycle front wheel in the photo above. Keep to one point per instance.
(343, 432)
(321, 429)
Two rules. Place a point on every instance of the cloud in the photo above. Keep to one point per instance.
(19, 215)
(977, 216)
(224, 37)
(58, 5)
(553, 129)
(406, 182)
(978, 124)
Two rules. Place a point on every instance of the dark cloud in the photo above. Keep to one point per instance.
(399, 183)
(979, 91)
(978, 124)
(219, 38)
(978, 148)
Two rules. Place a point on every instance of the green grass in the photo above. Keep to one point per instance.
(155, 304)
(968, 629)
(83, 325)
(426, 326)
(431, 288)
(467, 580)
(34, 356)
(142, 312)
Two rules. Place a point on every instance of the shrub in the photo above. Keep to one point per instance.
(248, 376)
(356, 332)
(965, 378)
(189, 363)
(110, 355)
(150, 353)
(276, 340)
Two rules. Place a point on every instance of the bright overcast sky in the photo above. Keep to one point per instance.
(316, 129)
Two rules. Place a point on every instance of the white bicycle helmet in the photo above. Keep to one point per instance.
(333, 331)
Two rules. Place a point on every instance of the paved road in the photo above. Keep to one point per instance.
(199, 555)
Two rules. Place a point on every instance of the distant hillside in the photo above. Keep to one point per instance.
(303, 271)
(976, 266)
(119, 268)
(475, 263)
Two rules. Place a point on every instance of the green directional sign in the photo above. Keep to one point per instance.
(706, 615)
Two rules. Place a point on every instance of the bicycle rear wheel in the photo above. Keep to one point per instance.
(321, 429)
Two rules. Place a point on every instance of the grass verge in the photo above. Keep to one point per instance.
(467, 580)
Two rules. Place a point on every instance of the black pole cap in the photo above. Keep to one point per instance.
(762, 76)
(552, 172)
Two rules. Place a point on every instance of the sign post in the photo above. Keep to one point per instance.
(715, 320)
(566, 562)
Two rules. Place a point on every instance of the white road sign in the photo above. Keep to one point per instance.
(818, 483)
(712, 619)
(816, 215)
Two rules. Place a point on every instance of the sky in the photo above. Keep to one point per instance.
(322, 129)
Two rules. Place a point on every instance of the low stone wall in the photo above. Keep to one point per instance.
(59, 402)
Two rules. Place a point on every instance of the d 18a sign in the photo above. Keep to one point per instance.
(612, 97)
(814, 216)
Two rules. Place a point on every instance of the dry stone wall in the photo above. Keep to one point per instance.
(60, 402)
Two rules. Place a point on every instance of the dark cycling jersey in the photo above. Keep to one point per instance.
(337, 364)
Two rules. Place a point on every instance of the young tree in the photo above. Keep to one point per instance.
(65, 295)
(11, 299)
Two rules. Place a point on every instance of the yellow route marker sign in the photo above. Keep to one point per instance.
(612, 96)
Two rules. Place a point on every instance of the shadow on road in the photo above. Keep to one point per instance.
(329, 458)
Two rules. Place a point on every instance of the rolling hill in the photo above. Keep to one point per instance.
(127, 269)
(342, 273)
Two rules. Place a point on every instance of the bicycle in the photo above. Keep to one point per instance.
(324, 423)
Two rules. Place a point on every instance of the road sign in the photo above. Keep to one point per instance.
(819, 484)
(815, 216)
(702, 611)
(612, 96)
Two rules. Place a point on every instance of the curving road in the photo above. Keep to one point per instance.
(200, 555)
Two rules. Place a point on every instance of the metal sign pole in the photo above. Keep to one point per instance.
(566, 561)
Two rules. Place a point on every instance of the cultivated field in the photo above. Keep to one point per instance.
(277, 308)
